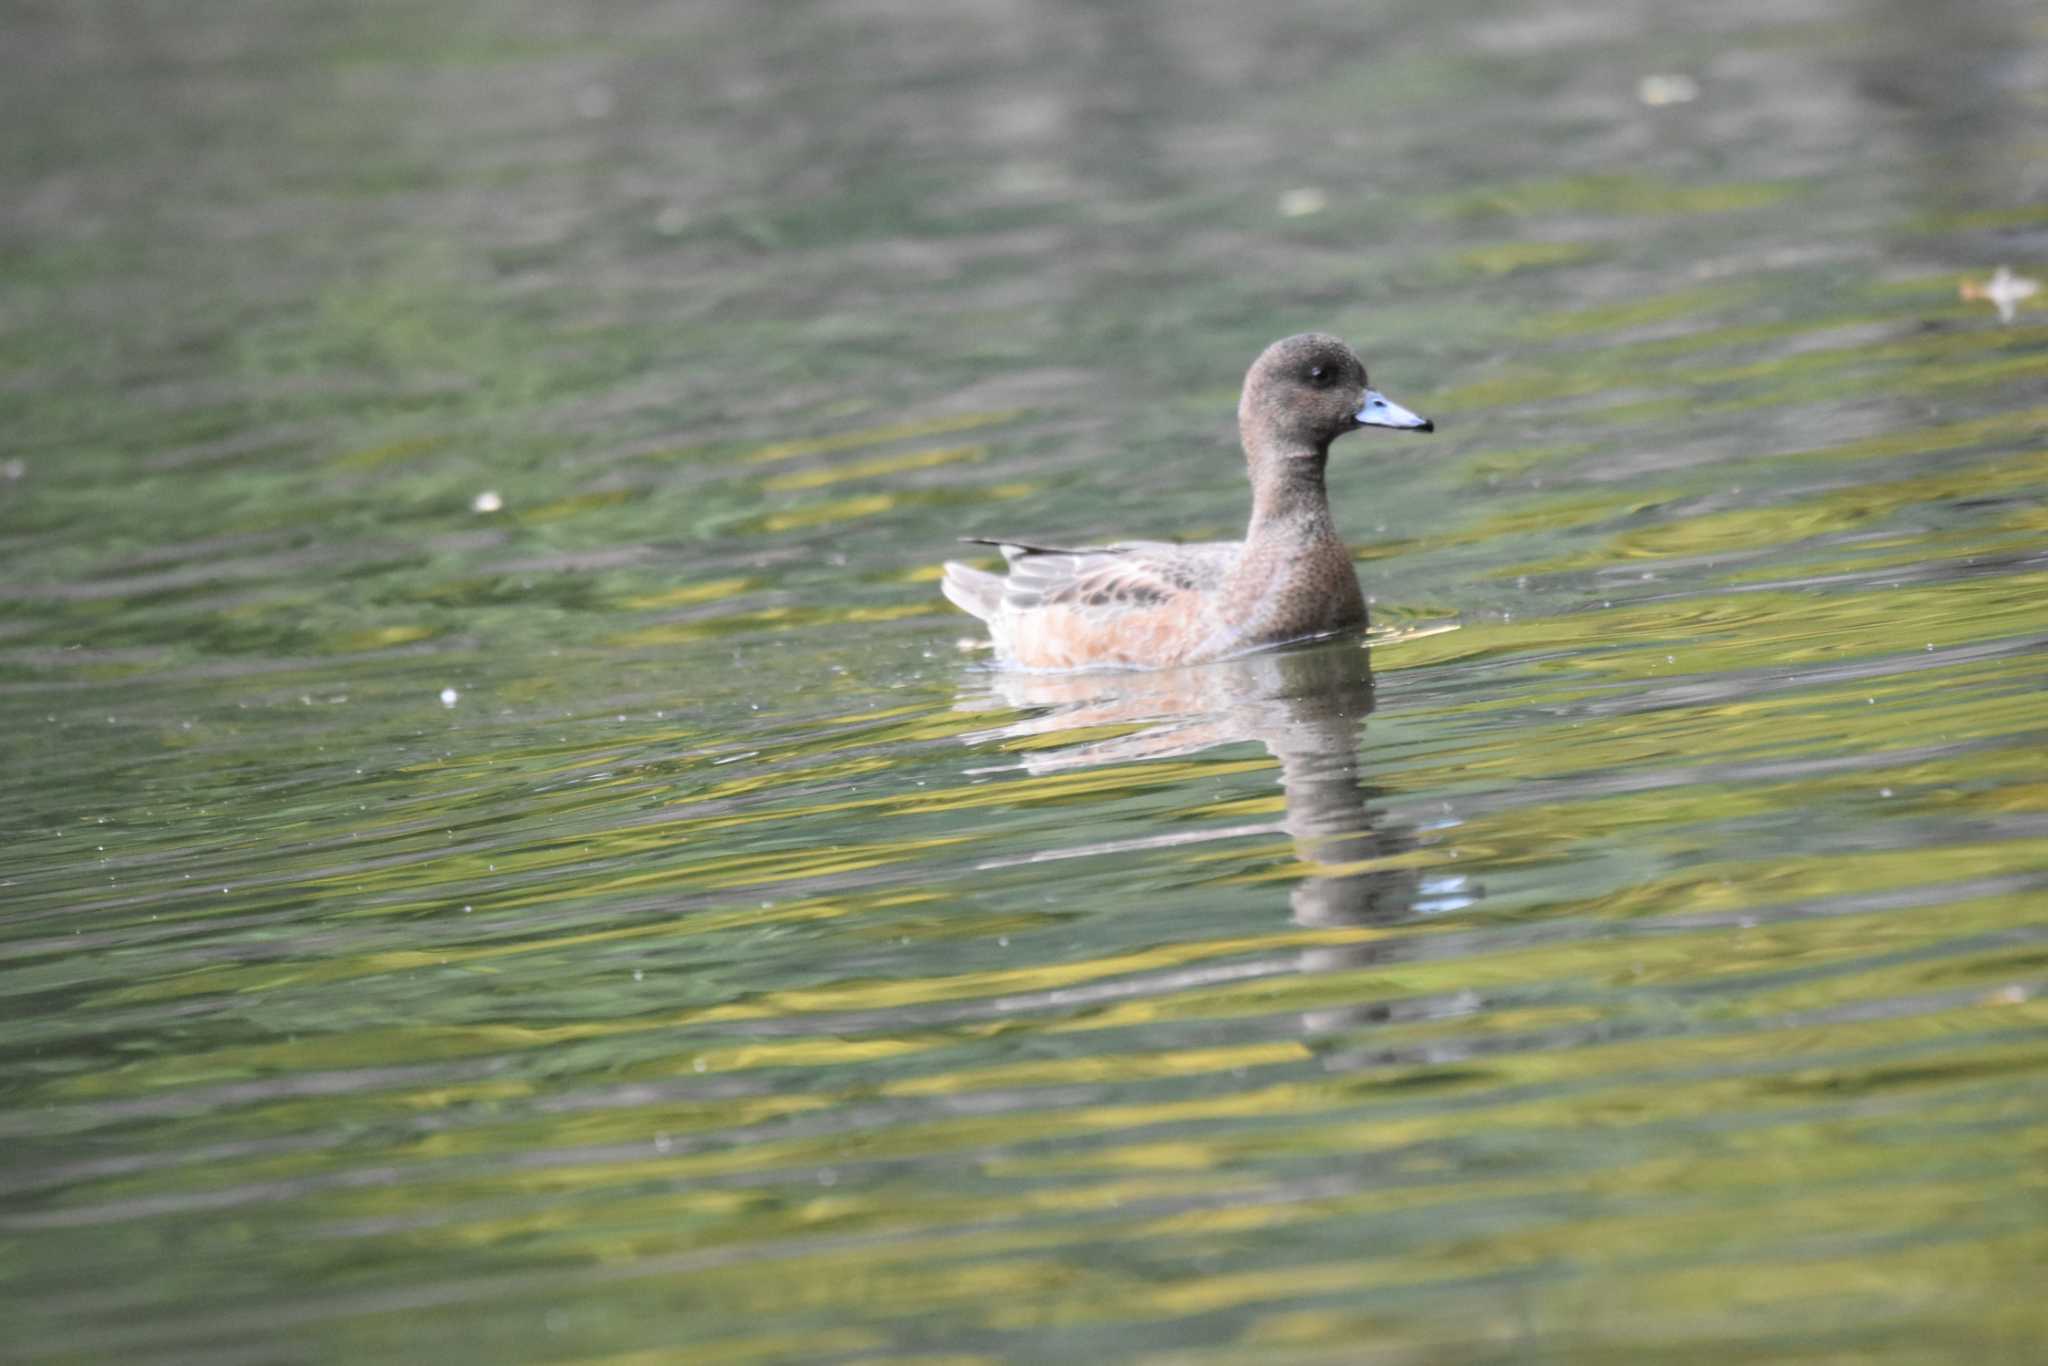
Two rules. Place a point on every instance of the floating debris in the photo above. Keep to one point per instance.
(449, 697)
(1303, 202)
(487, 501)
(2002, 291)
(1667, 87)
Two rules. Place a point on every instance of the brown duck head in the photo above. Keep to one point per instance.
(1303, 392)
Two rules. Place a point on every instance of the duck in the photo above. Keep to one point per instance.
(1162, 604)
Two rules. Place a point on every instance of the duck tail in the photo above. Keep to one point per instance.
(972, 590)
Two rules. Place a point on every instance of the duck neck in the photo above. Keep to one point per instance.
(1288, 496)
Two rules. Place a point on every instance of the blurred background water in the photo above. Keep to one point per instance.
(503, 856)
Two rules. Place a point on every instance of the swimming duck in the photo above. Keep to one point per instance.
(1153, 604)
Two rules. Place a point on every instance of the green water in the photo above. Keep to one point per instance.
(729, 967)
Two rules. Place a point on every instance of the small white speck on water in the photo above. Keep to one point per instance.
(449, 697)
(662, 1143)
(698, 1065)
(487, 501)
(1671, 659)
(1667, 87)
(467, 909)
(1301, 203)
(1003, 941)
(638, 974)
(1884, 792)
(1873, 701)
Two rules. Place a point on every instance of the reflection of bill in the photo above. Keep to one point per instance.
(1307, 706)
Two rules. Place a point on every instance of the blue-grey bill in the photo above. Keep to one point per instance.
(1381, 411)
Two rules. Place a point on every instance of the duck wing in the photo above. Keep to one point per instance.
(1125, 575)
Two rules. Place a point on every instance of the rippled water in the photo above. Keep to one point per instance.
(627, 925)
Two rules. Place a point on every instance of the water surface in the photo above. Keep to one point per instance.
(626, 924)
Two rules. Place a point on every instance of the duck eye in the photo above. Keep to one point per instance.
(1317, 374)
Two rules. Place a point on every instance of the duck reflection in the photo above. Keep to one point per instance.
(1308, 707)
